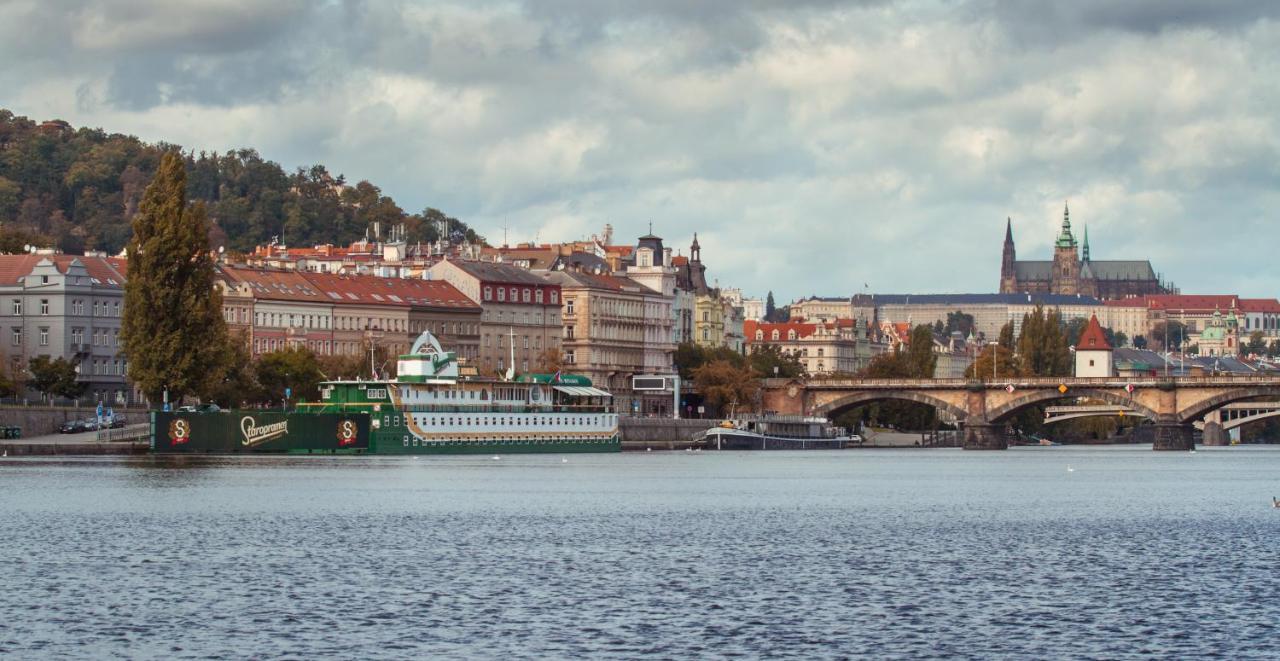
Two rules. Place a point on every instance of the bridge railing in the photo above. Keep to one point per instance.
(1032, 382)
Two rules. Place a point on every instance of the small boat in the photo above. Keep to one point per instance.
(776, 432)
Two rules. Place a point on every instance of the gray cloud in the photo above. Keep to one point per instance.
(814, 146)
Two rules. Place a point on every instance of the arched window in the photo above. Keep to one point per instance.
(759, 335)
(791, 334)
(775, 335)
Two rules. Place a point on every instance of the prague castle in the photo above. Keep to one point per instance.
(1072, 272)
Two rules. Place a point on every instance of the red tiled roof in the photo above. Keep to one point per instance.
(375, 290)
(274, 285)
(1259, 305)
(1092, 338)
(1188, 302)
(108, 271)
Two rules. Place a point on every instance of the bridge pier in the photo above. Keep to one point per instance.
(1173, 436)
(981, 436)
(1214, 434)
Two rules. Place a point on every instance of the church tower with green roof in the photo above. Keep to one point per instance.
(1066, 259)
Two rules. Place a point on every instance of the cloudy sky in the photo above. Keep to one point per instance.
(815, 146)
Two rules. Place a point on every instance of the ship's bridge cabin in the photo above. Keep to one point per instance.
(427, 380)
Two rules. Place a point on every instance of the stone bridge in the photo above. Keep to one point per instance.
(983, 408)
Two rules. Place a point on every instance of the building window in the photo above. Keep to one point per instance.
(17, 307)
(537, 296)
(774, 335)
(488, 293)
(77, 336)
(706, 335)
(568, 306)
(77, 307)
(515, 294)
(44, 337)
(17, 337)
(555, 297)
(791, 335)
(759, 335)
(527, 296)
(502, 294)
(568, 332)
(44, 307)
(115, 309)
(570, 357)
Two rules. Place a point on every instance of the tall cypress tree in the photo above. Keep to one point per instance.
(173, 329)
(770, 310)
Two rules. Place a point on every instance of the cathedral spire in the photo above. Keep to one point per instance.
(1008, 230)
(1085, 246)
(1066, 239)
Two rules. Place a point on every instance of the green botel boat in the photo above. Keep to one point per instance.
(427, 409)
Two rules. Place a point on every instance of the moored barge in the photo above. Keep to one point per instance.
(426, 409)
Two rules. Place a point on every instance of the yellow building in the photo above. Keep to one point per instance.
(708, 320)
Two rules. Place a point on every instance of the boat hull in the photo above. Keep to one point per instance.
(275, 432)
(734, 439)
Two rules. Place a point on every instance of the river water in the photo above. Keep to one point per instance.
(1076, 552)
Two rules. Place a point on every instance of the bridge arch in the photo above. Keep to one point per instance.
(1002, 413)
(1203, 407)
(1244, 420)
(834, 408)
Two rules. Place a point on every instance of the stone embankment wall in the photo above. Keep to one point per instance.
(41, 420)
(660, 433)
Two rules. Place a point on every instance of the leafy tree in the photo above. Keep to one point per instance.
(81, 188)
(959, 321)
(1006, 336)
(723, 384)
(1005, 364)
(342, 366)
(235, 382)
(57, 377)
(1042, 347)
(939, 327)
(770, 309)
(765, 357)
(920, 359)
(294, 368)
(1119, 339)
(1175, 331)
(7, 386)
(1257, 343)
(1139, 342)
(1194, 350)
(174, 333)
(550, 361)
(689, 356)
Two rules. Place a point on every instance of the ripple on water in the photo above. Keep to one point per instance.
(893, 554)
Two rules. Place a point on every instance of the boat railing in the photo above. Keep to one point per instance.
(461, 408)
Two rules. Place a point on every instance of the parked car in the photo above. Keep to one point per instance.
(91, 424)
(200, 408)
(118, 421)
(72, 427)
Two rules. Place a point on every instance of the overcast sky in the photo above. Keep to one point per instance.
(814, 146)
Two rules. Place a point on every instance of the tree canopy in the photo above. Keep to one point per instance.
(78, 189)
(174, 333)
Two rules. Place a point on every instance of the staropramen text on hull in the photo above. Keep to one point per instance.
(426, 409)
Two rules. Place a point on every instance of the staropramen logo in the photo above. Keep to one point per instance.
(346, 433)
(255, 433)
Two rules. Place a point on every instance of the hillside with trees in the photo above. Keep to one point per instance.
(78, 189)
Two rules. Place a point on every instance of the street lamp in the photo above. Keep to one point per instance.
(995, 351)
